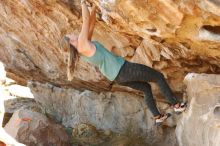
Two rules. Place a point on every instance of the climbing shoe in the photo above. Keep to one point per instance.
(161, 119)
(181, 108)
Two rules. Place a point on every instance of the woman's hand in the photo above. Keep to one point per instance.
(83, 1)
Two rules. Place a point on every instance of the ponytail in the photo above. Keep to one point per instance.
(73, 58)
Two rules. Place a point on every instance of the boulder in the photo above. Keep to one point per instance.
(115, 111)
(33, 128)
(12, 105)
(104, 110)
(199, 125)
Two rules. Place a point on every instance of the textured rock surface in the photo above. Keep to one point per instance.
(12, 105)
(32, 128)
(172, 36)
(115, 111)
(88, 135)
(4, 136)
(200, 125)
(103, 110)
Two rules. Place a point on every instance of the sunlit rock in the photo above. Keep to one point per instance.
(199, 125)
(175, 37)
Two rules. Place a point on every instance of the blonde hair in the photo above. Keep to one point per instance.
(73, 57)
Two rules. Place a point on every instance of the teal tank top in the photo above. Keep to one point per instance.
(108, 63)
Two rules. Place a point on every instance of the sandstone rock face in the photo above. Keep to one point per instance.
(32, 128)
(199, 126)
(172, 36)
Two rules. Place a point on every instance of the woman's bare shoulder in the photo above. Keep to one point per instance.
(87, 48)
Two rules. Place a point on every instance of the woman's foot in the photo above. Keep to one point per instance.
(161, 118)
(180, 107)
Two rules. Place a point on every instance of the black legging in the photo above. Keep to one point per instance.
(136, 76)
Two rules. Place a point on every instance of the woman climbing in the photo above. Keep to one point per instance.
(117, 69)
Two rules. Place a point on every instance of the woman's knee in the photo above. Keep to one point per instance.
(147, 89)
(160, 76)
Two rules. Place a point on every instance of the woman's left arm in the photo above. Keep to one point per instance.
(83, 41)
